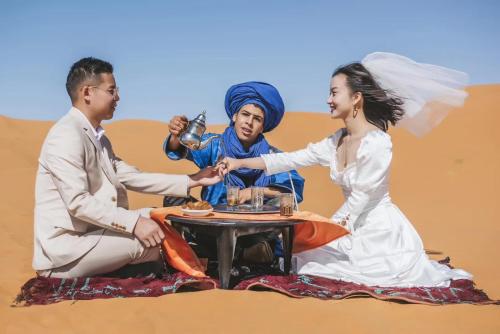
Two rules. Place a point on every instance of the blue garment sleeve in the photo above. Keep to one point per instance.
(202, 158)
(208, 156)
(284, 180)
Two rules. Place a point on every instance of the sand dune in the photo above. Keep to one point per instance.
(447, 184)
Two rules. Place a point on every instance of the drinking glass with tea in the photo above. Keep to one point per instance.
(233, 195)
(286, 204)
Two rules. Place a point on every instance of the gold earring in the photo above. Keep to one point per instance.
(355, 113)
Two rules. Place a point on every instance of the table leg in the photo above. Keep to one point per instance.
(226, 242)
(177, 226)
(287, 235)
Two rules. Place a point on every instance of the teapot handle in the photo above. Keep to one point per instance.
(187, 127)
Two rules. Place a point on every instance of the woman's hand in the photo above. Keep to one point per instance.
(226, 165)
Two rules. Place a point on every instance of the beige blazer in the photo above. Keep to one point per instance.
(82, 190)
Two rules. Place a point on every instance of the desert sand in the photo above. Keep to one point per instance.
(447, 183)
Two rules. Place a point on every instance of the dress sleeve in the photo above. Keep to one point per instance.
(372, 170)
(319, 153)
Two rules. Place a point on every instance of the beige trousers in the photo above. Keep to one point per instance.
(112, 252)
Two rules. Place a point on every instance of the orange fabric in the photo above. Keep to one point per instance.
(313, 234)
(315, 231)
(177, 251)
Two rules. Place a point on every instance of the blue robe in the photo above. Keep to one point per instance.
(208, 156)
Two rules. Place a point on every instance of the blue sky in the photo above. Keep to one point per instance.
(179, 57)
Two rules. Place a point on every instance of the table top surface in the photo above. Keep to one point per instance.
(231, 222)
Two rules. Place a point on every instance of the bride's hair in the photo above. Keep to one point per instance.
(380, 107)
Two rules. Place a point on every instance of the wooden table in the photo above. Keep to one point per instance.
(227, 231)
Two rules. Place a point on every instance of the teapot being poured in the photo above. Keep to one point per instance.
(191, 137)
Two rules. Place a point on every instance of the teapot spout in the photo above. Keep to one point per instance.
(207, 141)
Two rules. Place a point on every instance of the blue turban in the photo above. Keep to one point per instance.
(262, 94)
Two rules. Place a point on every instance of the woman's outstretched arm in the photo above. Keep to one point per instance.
(229, 164)
(318, 153)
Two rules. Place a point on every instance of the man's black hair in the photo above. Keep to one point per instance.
(86, 69)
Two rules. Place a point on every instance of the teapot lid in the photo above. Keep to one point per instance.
(201, 118)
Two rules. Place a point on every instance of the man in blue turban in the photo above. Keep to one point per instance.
(253, 109)
(262, 95)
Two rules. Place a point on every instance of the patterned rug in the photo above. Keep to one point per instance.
(42, 291)
(459, 291)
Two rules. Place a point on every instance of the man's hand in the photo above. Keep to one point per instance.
(206, 177)
(176, 126)
(245, 195)
(148, 232)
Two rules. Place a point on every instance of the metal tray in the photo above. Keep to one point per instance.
(245, 208)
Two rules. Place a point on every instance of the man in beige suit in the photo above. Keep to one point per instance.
(83, 226)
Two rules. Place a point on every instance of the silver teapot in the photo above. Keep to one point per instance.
(191, 137)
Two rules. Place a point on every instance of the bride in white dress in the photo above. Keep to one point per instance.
(383, 248)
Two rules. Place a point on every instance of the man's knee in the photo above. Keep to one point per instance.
(139, 253)
(129, 245)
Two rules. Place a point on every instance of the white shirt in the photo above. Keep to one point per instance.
(98, 132)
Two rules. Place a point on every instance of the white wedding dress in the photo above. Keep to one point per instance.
(383, 248)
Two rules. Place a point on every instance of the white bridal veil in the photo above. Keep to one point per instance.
(428, 91)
